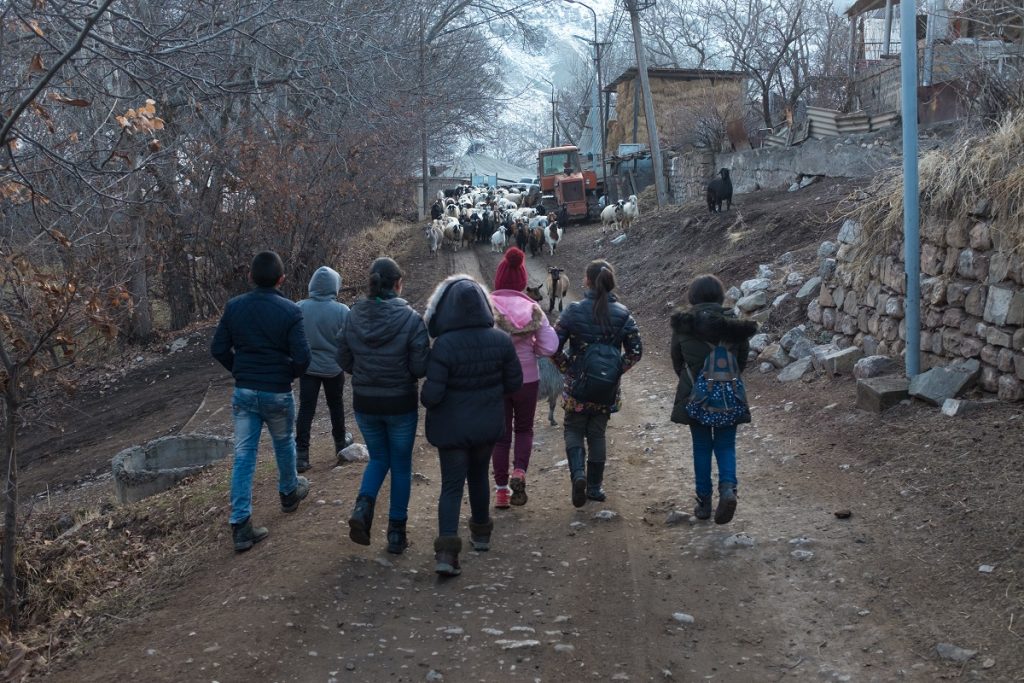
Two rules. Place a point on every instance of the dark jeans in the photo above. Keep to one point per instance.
(309, 394)
(578, 427)
(460, 467)
(520, 409)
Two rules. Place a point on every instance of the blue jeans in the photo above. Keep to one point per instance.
(251, 410)
(721, 441)
(389, 439)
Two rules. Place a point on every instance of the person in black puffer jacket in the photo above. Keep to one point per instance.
(473, 366)
(695, 331)
(598, 317)
(383, 347)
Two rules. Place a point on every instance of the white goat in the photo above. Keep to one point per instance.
(434, 234)
(630, 212)
(553, 235)
(611, 215)
(499, 239)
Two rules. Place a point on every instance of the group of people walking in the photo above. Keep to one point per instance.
(477, 353)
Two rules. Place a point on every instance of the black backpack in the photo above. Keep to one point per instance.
(600, 371)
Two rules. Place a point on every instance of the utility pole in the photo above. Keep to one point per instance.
(911, 209)
(554, 124)
(632, 6)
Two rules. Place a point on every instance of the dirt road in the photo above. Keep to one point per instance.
(607, 592)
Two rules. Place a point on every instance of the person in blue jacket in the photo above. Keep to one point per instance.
(261, 341)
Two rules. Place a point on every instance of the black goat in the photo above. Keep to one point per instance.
(720, 190)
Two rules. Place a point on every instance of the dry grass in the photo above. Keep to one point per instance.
(954, 180)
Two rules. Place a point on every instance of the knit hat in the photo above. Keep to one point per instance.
(511, 273)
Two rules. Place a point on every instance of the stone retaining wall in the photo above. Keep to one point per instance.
(972, 300)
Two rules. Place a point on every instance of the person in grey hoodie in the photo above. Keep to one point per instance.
(323, 316)
(384, 348)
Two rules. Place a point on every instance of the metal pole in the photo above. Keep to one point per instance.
(553, 131)
(424, 167)
(911, 210)
(645, 86)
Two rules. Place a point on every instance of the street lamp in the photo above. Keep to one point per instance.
(597, 66)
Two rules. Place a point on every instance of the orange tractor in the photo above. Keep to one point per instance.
(564, 182)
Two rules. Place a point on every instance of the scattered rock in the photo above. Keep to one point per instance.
(734, 293)
(355, 453)
(878, 394)
(740, 540)
(434, 676)
(986, 569)
(517, 644)
(809, 289)
(988, 663)
(954, 653)
(765, 368)
(606, 514)
(752, 302)
(564, 647)
(676, 517)
(827, 249)
(177, 345)
(843, 514)
(842, 362)
(759, 341)
(828, 266)
(801, 541)
(795, 279)
(795, 370)
(683, 618)
(874, 366)
(792, 337)
(809, 180)
(802, 554)
(794, 187)
(765, 271)
(938, 384)
(760, 284)
(774, 354)
(787, 258)
(803, 348)
(619, 240)
(850, 232)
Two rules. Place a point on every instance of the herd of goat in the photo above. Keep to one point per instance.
(500, 216)
(480, 215)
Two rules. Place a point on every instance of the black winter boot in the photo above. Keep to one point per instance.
(361, 520)
(245, 535)
(595, 475)
(397, 541)
(480, 535)
(301, 460)
(290, 501)
(446, 555)
(702, 510)
(578, 475)
(726, 503)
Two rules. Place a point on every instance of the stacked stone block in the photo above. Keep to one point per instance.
(972, 300)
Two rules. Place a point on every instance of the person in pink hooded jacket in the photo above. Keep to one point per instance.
(533, 337)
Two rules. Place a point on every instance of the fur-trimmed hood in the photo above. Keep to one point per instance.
(457, 303)
(712, 323)
(516, 313)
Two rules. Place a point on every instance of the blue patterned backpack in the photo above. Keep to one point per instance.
(718, 397)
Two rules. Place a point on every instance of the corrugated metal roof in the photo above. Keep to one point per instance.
(480, 164)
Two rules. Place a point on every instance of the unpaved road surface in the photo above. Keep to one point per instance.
(606, 592)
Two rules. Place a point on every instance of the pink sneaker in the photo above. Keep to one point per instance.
(518, 485)
(501, 497)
